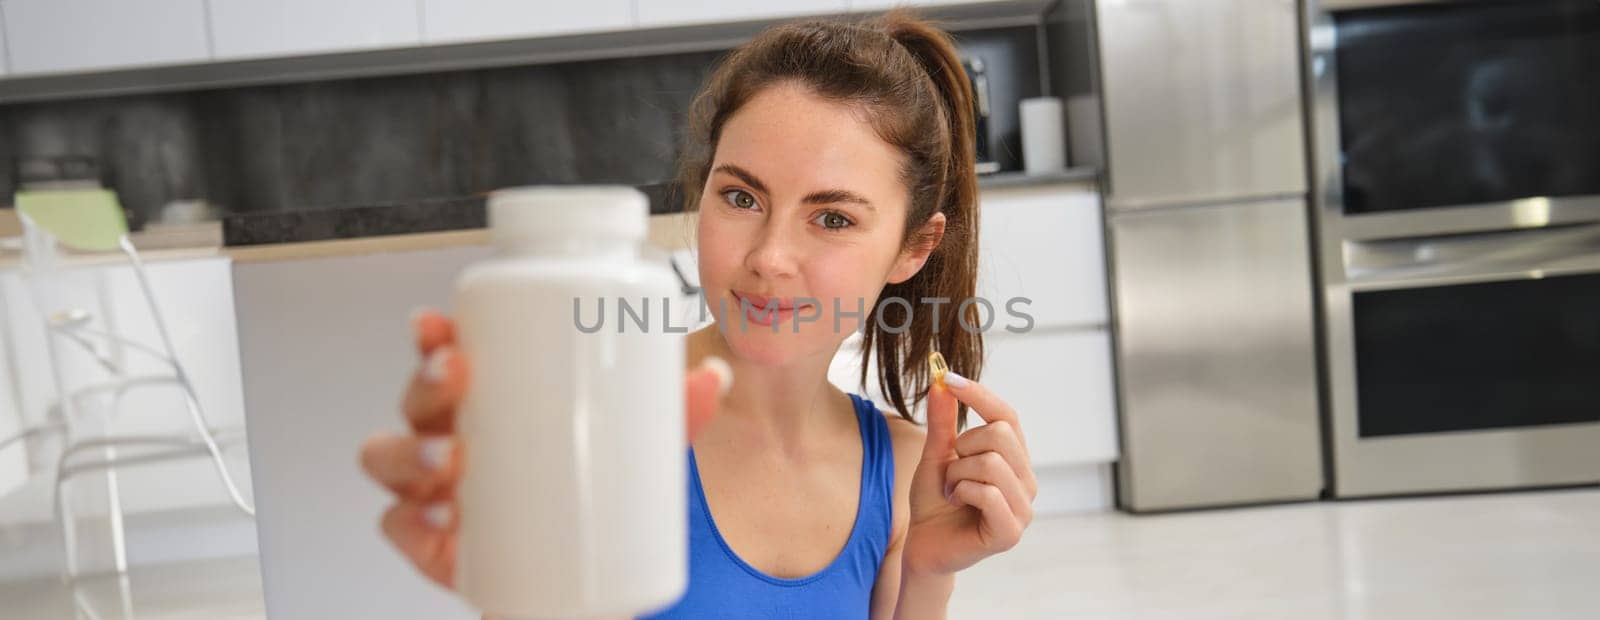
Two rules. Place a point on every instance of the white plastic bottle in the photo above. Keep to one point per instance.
(573, 493)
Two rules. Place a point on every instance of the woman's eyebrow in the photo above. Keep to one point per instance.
(833, 196)
(744, 175)
(822, 197)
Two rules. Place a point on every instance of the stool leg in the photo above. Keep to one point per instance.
(69, 530)
(119, 542)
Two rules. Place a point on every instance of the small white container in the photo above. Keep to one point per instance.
(1044, 135)
(573, 496)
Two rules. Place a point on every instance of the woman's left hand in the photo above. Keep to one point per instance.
(972, 494)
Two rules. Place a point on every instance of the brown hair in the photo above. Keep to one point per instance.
(906, 75)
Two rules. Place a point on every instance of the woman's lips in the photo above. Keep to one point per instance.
(766, 310)
(763, 301)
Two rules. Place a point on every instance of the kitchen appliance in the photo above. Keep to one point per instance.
(978, 77)
(1210, 255)
(1456, 150)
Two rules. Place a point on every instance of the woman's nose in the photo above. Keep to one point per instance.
(774, 255)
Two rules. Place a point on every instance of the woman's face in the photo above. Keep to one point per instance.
(803, 214)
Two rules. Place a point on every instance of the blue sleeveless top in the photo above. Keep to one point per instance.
(723, 586)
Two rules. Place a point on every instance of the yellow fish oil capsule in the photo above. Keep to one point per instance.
(937, 366)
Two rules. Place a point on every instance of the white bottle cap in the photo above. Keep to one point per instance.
(557, 212)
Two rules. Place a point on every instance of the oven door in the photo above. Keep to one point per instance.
(1435, 105)
(1466, 361)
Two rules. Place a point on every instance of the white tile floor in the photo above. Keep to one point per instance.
(1514, 555)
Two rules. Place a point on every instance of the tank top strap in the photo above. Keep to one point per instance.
(877, 463)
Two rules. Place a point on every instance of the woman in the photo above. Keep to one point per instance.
(832, 167)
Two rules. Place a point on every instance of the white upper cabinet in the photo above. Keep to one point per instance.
(264, 28)
(454, 21)
(65, 36)
(681, 12)
(58, 36)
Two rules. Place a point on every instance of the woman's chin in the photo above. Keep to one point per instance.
(759, 344)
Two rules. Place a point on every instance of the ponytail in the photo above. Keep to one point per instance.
(950, 273)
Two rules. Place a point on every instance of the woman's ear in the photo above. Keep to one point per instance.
(923, 242)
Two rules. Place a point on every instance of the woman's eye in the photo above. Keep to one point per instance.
(833, 221)
(740, 199)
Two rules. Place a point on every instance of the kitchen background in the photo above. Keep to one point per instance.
(1313, 281)
(423, 136)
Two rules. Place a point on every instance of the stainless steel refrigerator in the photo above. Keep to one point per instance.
(1205, 173)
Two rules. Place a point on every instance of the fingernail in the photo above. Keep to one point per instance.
(435, 452)
(953, 380)
(437, 516)
(947, 491)
(437, 367)
(722, 370)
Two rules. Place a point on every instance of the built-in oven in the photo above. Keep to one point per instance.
(1456, 168)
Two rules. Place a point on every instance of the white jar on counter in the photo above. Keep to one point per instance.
(574, 488)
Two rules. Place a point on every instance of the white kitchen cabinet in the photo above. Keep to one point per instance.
(454, 21)
(264, 28)
(681, 12)
(1059, 382)
(310, 405)
(196, 297)
(1060, 385)
(13, 458)
(59, 36)
(1046, 244)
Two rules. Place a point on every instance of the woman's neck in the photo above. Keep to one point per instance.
(780, 410)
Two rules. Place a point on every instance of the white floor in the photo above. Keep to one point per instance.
(1514, 555)
(220, 589)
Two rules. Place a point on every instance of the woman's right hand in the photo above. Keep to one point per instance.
(422, 467)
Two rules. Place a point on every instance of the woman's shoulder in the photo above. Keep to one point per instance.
(905, 435)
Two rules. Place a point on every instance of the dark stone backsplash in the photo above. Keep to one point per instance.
(415, 137)
(364, 141)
